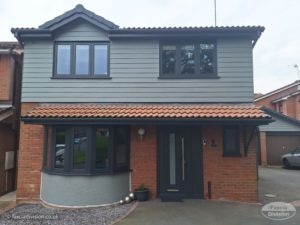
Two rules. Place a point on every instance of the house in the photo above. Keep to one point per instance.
(280, 137)
(10, 86)
(106, 109)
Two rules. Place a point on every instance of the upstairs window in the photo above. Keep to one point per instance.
(191, 60)
(81, 60)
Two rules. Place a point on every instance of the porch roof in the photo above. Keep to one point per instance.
(139, 112)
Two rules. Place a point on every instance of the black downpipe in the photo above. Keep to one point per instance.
(209, 189)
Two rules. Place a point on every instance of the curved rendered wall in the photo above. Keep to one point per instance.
(84, 190)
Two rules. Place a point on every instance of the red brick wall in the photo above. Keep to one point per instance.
(232, 178)
(267, 101)
(5, 78)
(143, 159)
(263, 148)
(29, 158)
(297, 106)
(290, 107)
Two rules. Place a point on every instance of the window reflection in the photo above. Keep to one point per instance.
(168, 59)
(207, 58)
(102, 148)
(100, 60)
(60, 146)
(63, 60)
(79, 148)
(82, 59)
(187, 63)
(121, 146)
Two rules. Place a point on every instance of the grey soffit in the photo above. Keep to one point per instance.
(281, 116)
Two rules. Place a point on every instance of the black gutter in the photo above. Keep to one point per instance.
(179, 35)
(156, 121)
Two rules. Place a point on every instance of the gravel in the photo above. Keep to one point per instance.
(37, 214)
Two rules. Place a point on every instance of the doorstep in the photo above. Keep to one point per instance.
(7, 201)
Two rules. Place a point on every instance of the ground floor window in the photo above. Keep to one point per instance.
(231, 141)
(86, 150)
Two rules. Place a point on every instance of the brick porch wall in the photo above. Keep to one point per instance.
(29, 159)
(143, 159)
(263, 149)
(232, 178)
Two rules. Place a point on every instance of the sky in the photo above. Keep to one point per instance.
(274, 55)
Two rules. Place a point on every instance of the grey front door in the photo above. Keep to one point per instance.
(180, 163)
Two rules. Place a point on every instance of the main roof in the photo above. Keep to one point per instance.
(79, 12)
(146, 111)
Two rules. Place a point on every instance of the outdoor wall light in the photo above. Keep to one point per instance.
(141, 132)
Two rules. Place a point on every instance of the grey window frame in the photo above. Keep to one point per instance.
(197, 74)
(72, 74)
(90, 167)
(237, 152)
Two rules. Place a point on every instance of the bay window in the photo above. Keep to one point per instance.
(86, 150)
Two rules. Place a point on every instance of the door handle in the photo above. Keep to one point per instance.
(182, 159)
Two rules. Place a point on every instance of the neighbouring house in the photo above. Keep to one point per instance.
(11, 57)
(283, 135)
(106, 109)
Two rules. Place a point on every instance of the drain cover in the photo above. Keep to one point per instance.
(270, 196)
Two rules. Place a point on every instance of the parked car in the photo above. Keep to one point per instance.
(291, 159)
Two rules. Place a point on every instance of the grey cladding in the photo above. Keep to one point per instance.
(134, 73)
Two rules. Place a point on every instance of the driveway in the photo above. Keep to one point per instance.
(280, 182)
(283, 183)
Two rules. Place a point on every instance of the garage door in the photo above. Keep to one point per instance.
(278, 145)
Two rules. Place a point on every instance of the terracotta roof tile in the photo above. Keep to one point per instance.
(147, 111)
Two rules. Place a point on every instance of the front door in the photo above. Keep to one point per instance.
(180, 163)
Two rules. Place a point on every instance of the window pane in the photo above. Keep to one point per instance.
(172, 151)
(207, 58)
(48, 160)
(187, 60)
(60, 146)
(100, 60)
(168, 59)
(121, 146)
(102, 148)
(231, 141)
(82, 59)
(80, 146)
(63, 60)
